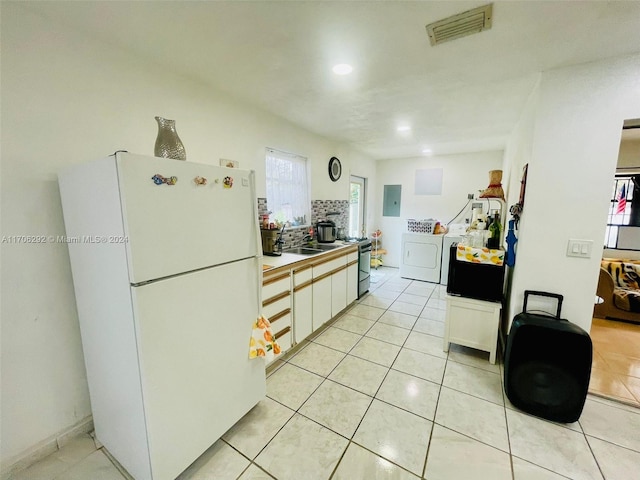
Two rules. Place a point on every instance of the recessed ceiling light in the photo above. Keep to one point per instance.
(342, 69)
(404, 128)
(426, 151)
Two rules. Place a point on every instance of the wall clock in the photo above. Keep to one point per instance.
(335, 169)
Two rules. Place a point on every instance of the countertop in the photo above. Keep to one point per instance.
(271, 264)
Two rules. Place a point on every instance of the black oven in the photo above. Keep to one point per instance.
(364, 263)
(364, 266)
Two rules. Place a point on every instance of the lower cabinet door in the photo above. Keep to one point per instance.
(303, 312)
(321, 302)
(338, 292)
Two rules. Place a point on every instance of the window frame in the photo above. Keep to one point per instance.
(615, 220)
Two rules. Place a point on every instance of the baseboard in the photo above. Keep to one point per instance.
(116, 464)
(45, 448)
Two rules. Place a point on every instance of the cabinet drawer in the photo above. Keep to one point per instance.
(329, 266)
(269, 309)
(353, 256)
(280, 321)
(302, 275)
(283, 337)
(272, 286)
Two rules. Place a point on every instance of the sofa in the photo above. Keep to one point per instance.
(618, 290)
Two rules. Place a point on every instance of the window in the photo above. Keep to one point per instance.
(620, 208)
(287, 187)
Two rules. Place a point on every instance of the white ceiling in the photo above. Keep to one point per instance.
(464, 95)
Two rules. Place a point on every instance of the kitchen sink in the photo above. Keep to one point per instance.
(304, 251)
(327, 246)
(312, 249)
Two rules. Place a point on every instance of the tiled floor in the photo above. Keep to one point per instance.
(615, 371)
(374, 397)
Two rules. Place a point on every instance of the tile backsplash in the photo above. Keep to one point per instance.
(320, 210)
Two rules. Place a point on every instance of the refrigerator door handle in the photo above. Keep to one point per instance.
(256, 227)
(257, 236)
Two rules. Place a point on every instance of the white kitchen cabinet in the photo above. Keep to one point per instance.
(326, 273)
(302, 303)
(300, 300)
(328, 265)
(321, 300)
(338, 291)
(276, 307)
(472, 323)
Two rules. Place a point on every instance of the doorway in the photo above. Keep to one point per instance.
(357, 206)
(615, 371)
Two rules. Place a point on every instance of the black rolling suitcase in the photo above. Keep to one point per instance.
(547, 364)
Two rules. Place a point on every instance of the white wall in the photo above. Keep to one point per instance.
(518, 151)
(629, 154)
(65, 100)
(461, 174)
(577, 126)
(516, 156)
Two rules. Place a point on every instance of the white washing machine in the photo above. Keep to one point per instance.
(421, 256)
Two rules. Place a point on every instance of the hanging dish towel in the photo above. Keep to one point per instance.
(263, 343)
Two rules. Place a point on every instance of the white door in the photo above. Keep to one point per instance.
(193, 335)
(175, 228)
(357, 197)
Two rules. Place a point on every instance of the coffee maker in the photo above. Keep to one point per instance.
(272, 242)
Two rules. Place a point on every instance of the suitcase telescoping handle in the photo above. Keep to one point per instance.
(559, 298)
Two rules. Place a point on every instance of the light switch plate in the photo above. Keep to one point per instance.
(579, 248)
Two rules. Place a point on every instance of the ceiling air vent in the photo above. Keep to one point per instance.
(466, 23)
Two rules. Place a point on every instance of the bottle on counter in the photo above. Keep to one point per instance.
(495, 232)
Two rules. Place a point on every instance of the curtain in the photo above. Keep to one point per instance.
(287, 187)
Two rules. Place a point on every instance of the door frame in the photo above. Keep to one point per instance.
(362, 207)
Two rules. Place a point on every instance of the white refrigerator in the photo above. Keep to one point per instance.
(167, 269)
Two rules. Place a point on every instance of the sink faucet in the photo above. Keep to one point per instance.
(279, 241)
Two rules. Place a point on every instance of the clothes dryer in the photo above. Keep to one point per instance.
(421, 256)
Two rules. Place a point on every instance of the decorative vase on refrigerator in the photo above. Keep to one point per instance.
(168, 143)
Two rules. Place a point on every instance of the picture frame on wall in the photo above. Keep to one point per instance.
(229, 163)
